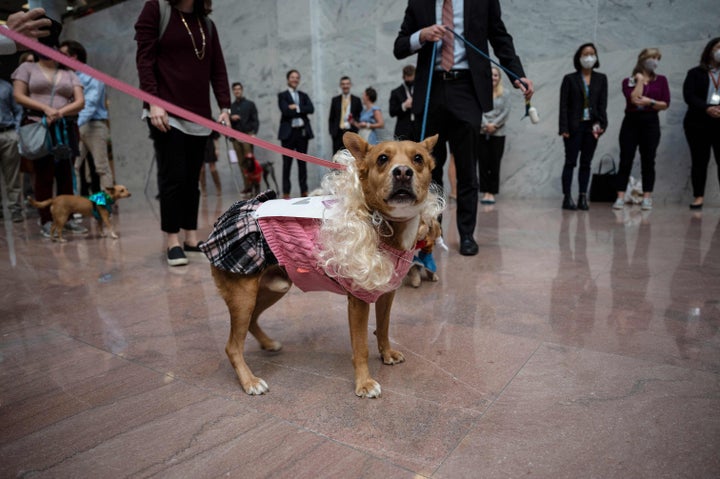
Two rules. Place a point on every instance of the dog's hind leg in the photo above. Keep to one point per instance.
(273, 286)
(240, 294)
(358, 312)
(382, 317)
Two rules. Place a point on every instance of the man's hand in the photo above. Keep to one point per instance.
(407, 104)
(527, 92)
(224, 118)
(433, 33)
(235, 117)
(31, 24)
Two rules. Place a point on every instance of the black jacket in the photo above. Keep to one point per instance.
(248, 122)
(695, 91)
(287, 115)
(483, 23)
(405, 127)
(334, 117)
(572, 100)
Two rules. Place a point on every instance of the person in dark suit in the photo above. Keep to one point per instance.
(295, 131)
(461, 88)
(401, 106)
(344, 108)
(701, 91)
(583, 119)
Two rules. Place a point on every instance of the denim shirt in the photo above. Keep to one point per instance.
(10, 112)
(94, 92)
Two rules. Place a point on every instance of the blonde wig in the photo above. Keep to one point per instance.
(351, 236)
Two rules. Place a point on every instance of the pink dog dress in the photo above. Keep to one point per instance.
(241, 243)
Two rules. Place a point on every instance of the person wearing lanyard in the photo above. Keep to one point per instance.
(583, 118)
(646, 94)
(701, 91)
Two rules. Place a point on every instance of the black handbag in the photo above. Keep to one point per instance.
(603, 186)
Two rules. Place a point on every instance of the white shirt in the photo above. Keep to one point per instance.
(460, 62)
(296, 122)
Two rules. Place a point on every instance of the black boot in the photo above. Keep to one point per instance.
(568, 203)
(582, 202)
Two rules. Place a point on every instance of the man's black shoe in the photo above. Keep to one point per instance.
(468, 247)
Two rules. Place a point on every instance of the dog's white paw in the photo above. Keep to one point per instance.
(272, 346)
(393, 357)
(258, 387)
(114, 236)
(369, 389)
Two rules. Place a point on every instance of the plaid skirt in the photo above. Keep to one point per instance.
(236, 243)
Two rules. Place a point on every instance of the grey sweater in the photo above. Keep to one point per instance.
(498, 115)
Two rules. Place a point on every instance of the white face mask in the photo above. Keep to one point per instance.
(651, 64)
(716, 56)
(588, 61)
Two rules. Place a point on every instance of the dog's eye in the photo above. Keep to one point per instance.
(382, 159)
(418, 160)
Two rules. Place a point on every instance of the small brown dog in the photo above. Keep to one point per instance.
(380, 206)
(62, 206)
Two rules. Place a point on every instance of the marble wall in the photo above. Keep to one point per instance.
(326, 39)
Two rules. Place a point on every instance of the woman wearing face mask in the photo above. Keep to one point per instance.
(701, 91)
(646, 94)
(583, 118)
(491, 142)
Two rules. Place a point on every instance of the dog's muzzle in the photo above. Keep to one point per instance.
(402, 185)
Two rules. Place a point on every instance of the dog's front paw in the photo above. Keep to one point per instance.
(392, 356)
(368, 389)
(114, 235)
(256, 387)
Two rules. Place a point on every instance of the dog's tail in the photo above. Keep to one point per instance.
(39, 204)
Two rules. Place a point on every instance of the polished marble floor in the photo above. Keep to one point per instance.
(575, 345)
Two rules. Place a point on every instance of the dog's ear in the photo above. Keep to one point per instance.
(430, 142)
(356, 145)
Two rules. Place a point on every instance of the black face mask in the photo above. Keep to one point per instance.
(409, 84)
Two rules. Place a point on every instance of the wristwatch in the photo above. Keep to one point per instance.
(652, 103)
(226, 110)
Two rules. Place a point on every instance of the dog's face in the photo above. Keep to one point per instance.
(395, 175)
(118, 191)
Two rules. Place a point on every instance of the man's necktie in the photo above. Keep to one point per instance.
(343, 111)
(448, 54)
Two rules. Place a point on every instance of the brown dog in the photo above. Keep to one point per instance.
(62, 206)
(395, 200)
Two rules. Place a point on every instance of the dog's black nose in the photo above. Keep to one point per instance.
(402, 173)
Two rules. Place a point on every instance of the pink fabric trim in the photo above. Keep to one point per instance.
(293, 241)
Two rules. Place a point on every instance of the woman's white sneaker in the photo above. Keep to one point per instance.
(619, 204)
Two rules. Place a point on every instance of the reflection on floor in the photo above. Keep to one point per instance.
(576, 344)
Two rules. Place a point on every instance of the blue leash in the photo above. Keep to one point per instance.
(427, 94)
(512, 75)
(482, 53)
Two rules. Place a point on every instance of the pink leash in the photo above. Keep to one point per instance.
(153, 100)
